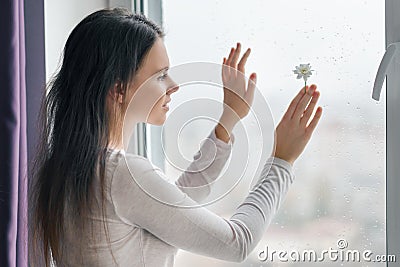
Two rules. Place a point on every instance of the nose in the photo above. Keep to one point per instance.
(172, 89)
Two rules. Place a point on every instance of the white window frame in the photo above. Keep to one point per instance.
(392, 22)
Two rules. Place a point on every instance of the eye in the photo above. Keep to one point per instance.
(162, 77)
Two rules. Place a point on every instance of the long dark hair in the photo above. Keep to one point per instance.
(105, 48)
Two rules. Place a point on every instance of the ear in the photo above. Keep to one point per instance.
(116, 92)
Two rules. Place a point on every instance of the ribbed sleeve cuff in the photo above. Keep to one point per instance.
(221, 143)
(282, 163)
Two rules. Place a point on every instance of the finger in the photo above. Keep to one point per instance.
(224, 66)
(251, 88)
(233, 63)
(293, 104)
(243, 61)
(303, 102)
(228, 61)
(310, 128)
(310, 109)
(225, 69)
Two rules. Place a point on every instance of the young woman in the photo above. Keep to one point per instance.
(89, 198)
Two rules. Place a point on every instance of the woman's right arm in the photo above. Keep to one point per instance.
(143, 197)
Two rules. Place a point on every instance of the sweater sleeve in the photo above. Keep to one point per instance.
(146, 199)
(205, 168)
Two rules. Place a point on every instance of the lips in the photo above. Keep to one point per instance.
(165, 104)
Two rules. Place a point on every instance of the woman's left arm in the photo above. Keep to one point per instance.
(206, 166)
(238, 98)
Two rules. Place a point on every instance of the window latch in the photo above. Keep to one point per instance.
(390, 53)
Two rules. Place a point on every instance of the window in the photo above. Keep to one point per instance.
(339, 191)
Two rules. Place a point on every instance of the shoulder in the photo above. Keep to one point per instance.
(139, 167)
(134, 163)
(138, 176)
(129, 176)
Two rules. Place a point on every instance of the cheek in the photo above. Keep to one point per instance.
(157, 114)
(159, 103)
(148, 96)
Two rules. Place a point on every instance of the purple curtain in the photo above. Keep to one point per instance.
(13, 136)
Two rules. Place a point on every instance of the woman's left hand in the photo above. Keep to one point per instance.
(238, 97)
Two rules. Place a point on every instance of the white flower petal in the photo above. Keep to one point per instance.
(303, 71)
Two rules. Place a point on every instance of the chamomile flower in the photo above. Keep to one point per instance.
(303, 71)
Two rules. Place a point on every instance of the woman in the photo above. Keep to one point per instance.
(86, 208)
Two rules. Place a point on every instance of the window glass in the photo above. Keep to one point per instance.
(339, 190)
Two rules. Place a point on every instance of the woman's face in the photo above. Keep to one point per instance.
(151, 88)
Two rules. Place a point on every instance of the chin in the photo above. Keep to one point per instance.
(159, 121)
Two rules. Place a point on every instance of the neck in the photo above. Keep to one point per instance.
(122, 142)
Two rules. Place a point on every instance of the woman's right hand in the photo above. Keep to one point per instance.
(292, 133)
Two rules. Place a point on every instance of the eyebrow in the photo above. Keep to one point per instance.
(163, 69)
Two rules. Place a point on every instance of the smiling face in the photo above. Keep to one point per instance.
(151, 88)
(147, 96)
